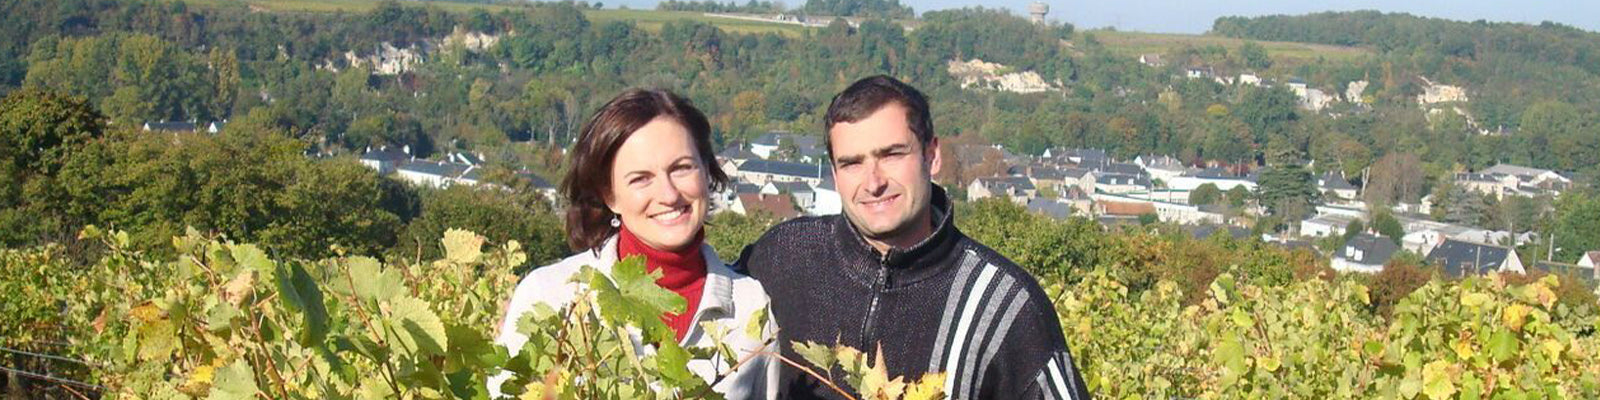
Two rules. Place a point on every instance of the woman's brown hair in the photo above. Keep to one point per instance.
(589, 170)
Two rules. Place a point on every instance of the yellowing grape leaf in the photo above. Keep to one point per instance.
(462, 246)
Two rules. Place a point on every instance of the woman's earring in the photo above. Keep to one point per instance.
(615, 223)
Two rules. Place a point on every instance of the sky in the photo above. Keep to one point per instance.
(1196, 16)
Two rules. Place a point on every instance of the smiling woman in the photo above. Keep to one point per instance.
(639, 182)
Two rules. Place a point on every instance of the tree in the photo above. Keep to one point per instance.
(1238, 195)
(1287, 188)
(498, 215)
(1577, 216)
(1355, 227)
(1387, 225)
(39, 132)
(1395, 178)
(1206, 194)
(1255, 56)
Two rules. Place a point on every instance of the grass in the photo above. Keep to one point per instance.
(648, 19)
(1132, 44)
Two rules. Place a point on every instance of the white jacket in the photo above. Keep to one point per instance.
(729, 300)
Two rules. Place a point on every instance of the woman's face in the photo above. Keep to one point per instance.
(659, 186)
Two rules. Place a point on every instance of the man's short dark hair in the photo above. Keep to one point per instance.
(871, 94)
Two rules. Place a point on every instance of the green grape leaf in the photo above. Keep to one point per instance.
(371, 282)
(672, 361)
(420, 328)
(250, 257)
(235, 381)
(817, 354)
(1502, 345)
(631, 296)
(462, 246)
(300, 292)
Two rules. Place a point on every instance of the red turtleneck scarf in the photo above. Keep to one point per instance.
(683, 272)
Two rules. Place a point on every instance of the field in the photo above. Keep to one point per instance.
(648, 19)
(1132, 44)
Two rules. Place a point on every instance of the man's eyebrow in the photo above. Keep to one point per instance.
(883, 151)
(850, 159)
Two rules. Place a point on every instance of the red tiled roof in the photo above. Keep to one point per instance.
(1121, 208)
(780, 206)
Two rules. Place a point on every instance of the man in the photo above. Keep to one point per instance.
(894, 271)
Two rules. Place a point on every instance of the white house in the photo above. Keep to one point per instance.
(1590, 259)
(1325, 225)
(760, 172)
(384, 160)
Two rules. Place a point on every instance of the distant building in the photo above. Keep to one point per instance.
(436, 174)
(1335, 185)
(760, 172)
(1324, 225)
(1364, 253)
(1152, 60)
(169, 126)
(1590, 259)
(1016, 188)
(1459, 258)
(779, 206)
(807, 148)
(384, 160)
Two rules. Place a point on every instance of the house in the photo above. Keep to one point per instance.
(1165, 211)
(1120, 183)
(1199, 73)
(804, 196)
(807, 148)
(1250, 79)
(1326, 224)
(1335, 185)
(1461, 258)
(1053, 208)
(779, 206)
(539, 185)
(165, 126)
(1080, 157)
(1162, 167)
(1590, 259)
(760, 172)
(1506, 179)
(1018, 189)
(436, 174)
(1219, 177)
(735, 153)
(1152, 60)
(1422, 241)
(827, 200)
(471, 159)
(1124, 209)
(1364, 253)
(384, 160)
(1047, 177)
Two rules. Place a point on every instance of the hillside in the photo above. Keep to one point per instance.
(650, 20)
(1133, 44)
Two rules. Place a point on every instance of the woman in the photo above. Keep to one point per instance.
(639, 183)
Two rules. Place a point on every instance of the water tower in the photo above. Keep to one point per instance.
(1037, 10)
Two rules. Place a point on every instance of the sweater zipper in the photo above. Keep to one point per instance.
(877, 290)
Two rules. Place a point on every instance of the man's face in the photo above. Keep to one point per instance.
(882, 173)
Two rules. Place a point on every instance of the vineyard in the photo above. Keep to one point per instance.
(226, 320)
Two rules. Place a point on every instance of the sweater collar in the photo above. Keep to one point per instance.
(906, 266)
(679, 269)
